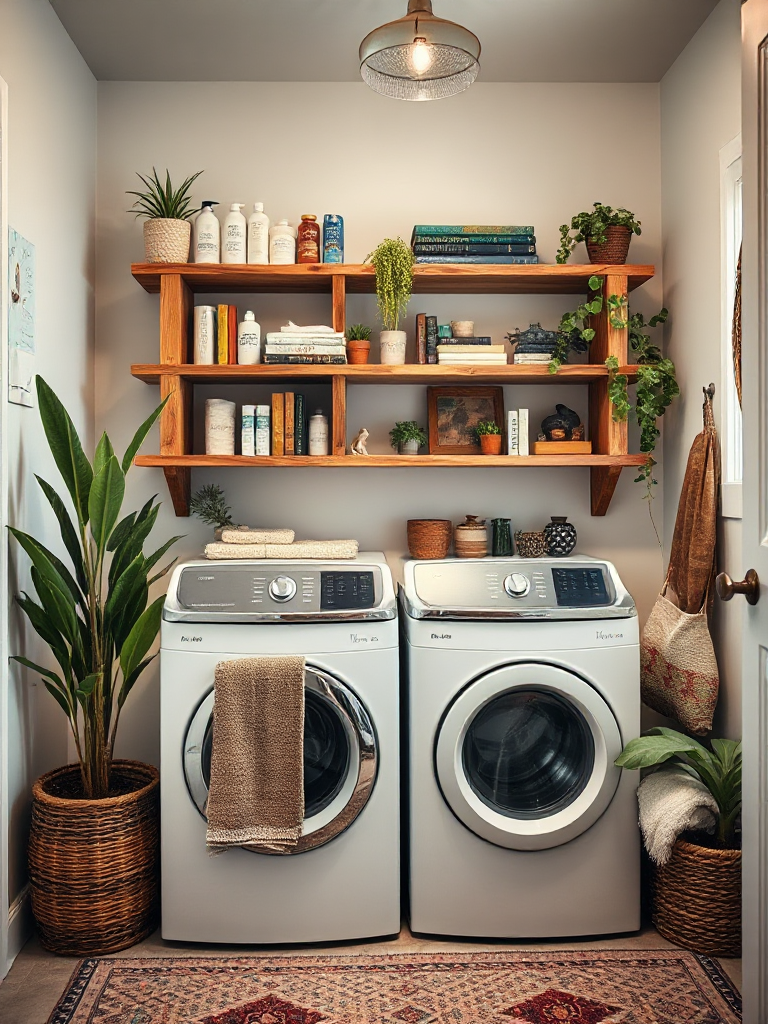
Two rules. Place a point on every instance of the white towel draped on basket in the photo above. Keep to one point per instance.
(672, 802)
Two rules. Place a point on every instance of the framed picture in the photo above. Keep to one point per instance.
(455, 412)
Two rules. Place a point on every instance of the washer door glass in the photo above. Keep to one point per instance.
(340, 758)
(524, 756)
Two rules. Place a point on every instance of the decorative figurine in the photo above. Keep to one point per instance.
(358, 445)
(561, 536)
(563, 425)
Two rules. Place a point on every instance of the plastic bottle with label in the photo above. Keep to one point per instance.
(207, 235)
(258, 235)
(318, 434)
(248, 341)
(308, 248)
(282, 243)
(233, 242)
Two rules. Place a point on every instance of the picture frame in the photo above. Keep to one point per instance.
(453, 413)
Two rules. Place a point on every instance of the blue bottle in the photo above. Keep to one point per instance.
(333, 238)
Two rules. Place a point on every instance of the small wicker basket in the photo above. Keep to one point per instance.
(94, 864)
(166, 240)
(429, 538)
(614, 249)
(697, 899)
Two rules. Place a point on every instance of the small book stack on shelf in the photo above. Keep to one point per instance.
(305, 345)
(534, 345)
(435, 343)
(474, 243)
(277, 430)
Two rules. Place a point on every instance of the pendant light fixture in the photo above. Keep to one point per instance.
(420, 57)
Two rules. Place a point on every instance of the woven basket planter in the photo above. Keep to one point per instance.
(166, 240)
(429, 538)
(94, 864)
(615, 247)
(697, 899)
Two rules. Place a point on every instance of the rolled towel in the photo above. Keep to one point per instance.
(672, 802)
(314, 549)
(222, 551)
(255, 535)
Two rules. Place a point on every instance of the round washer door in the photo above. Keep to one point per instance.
(340, 758)
(524, 756)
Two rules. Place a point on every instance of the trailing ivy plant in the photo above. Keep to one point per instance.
(393, 261)
(591, 225)
(573, 332)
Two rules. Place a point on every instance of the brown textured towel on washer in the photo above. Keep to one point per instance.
(256, 793)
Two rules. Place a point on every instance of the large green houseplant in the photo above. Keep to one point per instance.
(393, 263)
(99, 625)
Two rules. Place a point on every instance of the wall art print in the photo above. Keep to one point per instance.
(21, 319)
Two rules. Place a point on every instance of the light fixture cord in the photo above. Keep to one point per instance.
(414, 6)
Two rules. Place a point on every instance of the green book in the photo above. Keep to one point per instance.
(299, 426)
(473, 229)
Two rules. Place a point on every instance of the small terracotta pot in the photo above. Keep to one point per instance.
(429, 538)
(358, 352)
(490, 444)
(614, 249)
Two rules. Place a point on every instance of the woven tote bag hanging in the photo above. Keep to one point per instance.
(678, 668)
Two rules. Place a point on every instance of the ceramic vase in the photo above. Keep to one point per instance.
(392, 347)
(561, 537)
(470, 539)
(408, 448)
(502, 538)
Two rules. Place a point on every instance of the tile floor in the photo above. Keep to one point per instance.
(37, 978)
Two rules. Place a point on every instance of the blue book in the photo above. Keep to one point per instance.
(473, 229)
(473, 239)
(448, 249)
(477, 259)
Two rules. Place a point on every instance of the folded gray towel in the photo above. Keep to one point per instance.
(671, 802)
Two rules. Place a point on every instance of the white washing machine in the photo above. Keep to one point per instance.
(343, 879)
(523, 683)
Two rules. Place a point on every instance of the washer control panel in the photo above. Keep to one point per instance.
(580, 588)
(346, 590)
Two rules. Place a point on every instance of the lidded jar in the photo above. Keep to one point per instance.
(308, 248)
(470, 539)
(560, 536)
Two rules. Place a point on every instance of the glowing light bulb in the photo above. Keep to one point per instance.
(421, 55)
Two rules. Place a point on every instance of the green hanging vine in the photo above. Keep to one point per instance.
(573, 334)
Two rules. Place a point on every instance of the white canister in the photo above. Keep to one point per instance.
(234, 234)
(318, 434)
(392, 347)
(248, 340)
(262, 429)
(205, 335)
(219, 427)
(282, 243)
(258, 235)
(247, 435)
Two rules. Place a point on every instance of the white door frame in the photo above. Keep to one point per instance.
(755, 507)
(4, 812)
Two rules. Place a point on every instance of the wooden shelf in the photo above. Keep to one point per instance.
(428, 279)
(387, 461)
(414, 373)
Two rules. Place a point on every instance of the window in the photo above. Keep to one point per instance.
(730, 246)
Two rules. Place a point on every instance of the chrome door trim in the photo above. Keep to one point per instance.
(524, 833)
(357, 787)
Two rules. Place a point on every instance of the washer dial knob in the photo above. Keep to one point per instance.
(282, 588)
(517, 585)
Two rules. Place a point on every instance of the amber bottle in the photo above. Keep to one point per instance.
(308, 247)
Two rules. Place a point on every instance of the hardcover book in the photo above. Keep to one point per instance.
(222, 336)
(278, 423)
(232, 335)
(299, 425)
(459, 346)
(281, 360)
(477, 259)
(473, 229)
(522, 431)
(513, 445)
(446, 249)
(432, 339)
(482, 339)
(285, 337)
(474, 239)
(421, 338)
(288, 406)
(262, 429)
(305, 350)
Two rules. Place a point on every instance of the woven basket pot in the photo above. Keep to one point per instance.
(697, 899)
(429, 538)
(94, 864)
(166, 240)
(615, 247)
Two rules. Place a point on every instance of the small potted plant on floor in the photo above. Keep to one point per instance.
(407, 437)
(393, 262)
(606, 232)
(697, 892)
(94, 838)
(166, 229)
(358, 344)
(489, 435)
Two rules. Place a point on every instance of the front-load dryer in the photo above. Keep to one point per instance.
(523, 687)
(342, 882)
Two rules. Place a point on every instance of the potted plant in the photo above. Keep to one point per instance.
(93, 847)
(393, 262)
(210, 505)
(166, 229)
(489, 435)
(697, 893)
(407, 437)
(607, 233)
(358, 344)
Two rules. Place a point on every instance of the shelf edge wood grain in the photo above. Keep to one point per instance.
(389, 461)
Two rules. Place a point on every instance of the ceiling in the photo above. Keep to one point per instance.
(317, 40)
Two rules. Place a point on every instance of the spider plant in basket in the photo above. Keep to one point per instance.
(93, 853)
(167, 209)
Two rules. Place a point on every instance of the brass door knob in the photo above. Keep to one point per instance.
(749, 587)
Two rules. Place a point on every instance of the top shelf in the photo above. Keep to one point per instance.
(428, 279)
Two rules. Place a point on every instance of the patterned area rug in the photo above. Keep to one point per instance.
(583, 987)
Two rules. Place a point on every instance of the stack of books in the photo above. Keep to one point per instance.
(291, 346)
(474, 243)
(533, 346)
(287, 425)
(435, 344)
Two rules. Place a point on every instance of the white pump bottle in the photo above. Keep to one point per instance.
(207, 242)
(233, 247)
(258, 235)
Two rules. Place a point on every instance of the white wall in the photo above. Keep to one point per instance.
(52, 180)
(700, 113)
(498, 153)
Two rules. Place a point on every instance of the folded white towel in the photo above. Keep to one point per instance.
(314, 549)
(671, 802)
(255, 535)
(222, 551)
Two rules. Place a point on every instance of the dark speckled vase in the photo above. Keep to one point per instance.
(561, 537)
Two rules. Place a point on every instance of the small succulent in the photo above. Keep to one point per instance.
(487, 427)
(210, 505)
(358, 332)
(163, 201)
(407, 430)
